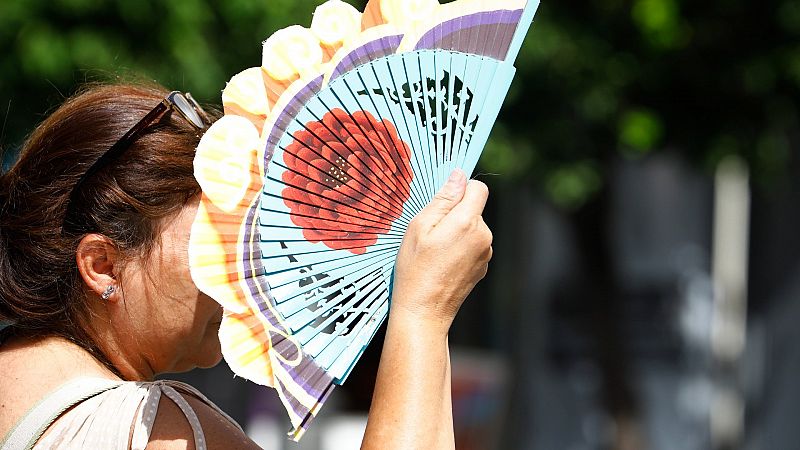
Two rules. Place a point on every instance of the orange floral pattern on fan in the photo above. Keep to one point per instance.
(348, 178)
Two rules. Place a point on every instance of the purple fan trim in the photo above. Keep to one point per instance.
(311, 377)
(372, 50)
(446, 35)
(288, 114)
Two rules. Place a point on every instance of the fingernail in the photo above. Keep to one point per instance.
(453, 185)
(456, 176)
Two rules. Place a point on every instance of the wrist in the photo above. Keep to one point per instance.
(418, 323)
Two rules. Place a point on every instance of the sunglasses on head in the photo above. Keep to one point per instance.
(184, 104)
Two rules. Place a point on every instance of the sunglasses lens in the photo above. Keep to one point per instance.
(188, 110)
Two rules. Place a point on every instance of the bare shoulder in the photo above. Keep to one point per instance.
(171, 430)
(32, 369)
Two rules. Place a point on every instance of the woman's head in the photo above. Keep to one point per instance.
(128, 205)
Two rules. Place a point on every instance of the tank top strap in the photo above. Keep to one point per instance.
(175, 391)
(191, 390)
(28, 431)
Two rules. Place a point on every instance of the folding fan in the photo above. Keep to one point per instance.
(325, 154)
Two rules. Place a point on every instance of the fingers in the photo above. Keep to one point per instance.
(471, 204)
(444, 201)
(465, 224)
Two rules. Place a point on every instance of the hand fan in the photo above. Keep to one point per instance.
(325, 154)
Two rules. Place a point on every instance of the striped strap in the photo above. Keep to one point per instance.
(28, 430)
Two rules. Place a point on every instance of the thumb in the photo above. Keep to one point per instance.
(445, 200)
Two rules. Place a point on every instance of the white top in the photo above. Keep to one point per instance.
(105, 414)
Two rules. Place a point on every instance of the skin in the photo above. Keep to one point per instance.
(158, 322)
(445, 252)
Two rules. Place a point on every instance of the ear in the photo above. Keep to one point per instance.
(98, 262)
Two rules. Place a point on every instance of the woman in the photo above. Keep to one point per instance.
(94, 277)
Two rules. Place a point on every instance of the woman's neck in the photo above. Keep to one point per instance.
(122, 354)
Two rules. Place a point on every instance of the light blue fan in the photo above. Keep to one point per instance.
(351, 157)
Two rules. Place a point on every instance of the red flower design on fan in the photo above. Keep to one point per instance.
(348, 178)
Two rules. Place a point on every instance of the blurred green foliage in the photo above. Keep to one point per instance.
(597, 79)
(51, 47)
(605, 79)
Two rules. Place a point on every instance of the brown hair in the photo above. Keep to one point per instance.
(40, 287)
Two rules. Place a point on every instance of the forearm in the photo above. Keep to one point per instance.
(445, 252)
(411, 406)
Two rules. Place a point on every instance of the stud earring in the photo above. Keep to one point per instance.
(107, 293)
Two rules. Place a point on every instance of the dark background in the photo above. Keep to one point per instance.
(593, 329)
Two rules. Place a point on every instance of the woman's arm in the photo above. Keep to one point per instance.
(444, 254)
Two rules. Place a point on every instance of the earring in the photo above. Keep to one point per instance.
(107, 293)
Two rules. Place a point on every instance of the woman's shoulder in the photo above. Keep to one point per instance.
(31, 370)
(155, 415)
(186, 419)
(175, 429)
(123, 414)
(39, 382)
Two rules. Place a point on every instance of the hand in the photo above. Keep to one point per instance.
(445, 253)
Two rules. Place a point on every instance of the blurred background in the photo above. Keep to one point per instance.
(645, 288)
